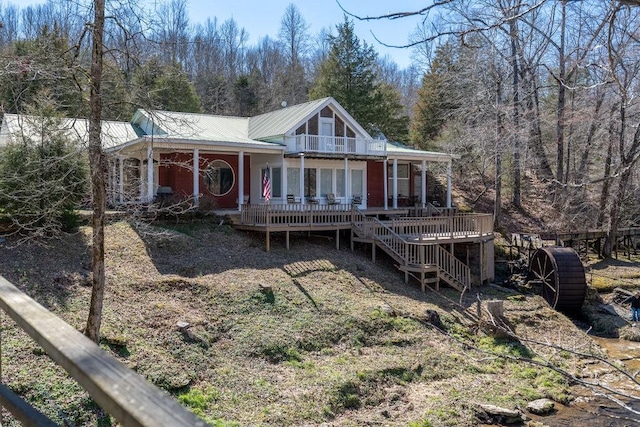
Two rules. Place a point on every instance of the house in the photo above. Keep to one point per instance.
(307, 148)
(319, 164)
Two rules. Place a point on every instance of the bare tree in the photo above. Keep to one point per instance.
(294, 37)
(98, 181)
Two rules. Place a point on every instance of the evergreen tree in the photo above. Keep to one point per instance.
(43, 174)
(165, 88)
(435, 98)
(349, 75)
(35, 65)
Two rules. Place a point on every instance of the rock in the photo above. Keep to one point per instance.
(182, 324)
(541, 406)
(500, 415)
(266, 289)
(388, 310)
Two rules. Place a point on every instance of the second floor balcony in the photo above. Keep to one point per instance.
(336, 145)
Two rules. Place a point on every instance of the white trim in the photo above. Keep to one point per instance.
(150, 179)
(240, 180)
(196, 177)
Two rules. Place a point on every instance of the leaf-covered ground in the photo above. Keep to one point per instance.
(310, 336)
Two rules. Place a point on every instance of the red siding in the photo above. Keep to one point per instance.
(176, 172)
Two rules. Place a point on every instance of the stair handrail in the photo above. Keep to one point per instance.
(452, 266)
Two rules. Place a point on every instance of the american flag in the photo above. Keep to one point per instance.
(266, 185)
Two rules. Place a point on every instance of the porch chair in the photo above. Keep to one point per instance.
(291, 198)
(331, 199)
(357, 200)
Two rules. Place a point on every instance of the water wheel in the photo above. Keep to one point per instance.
(561, 274)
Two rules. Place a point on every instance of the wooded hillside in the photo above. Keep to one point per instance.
(540, 94)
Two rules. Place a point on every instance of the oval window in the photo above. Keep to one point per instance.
(219, 177)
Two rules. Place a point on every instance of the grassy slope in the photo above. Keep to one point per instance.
(321, 347)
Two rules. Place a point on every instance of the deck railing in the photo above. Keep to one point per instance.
(336, 145)
(118, 390)
(444, 227)
(411, 251)
(296, 214)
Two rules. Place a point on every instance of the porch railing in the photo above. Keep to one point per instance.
(335, 145)
(296, 214)
(452, 226)
(118, 390)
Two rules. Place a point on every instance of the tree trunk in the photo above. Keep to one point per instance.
(536, 145)
(497, 207)
(606, 178)
(517, 201)
(96, 163)
(561, 99)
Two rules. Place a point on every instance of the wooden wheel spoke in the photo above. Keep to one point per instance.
(561, 276)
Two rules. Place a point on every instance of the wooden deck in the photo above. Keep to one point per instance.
(414, 243)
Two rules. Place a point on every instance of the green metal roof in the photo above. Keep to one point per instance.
(400, 150)
(279, 122)
(113, 133)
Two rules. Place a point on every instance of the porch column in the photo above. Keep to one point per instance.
(449, 184)
(112, 181)
(121, 181)
(423, 195)
(196, 176)
(385, 184)
(149, 173)
(395, 183)
(141, 183)
(302, 200)
(240, 180)
(346, 179)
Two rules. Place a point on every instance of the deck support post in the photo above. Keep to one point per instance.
(287, 239)
(481, 262)
(337, 239)
(373, 250)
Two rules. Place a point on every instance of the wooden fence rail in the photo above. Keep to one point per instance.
(121, 392)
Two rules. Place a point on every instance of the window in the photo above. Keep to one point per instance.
(309, 182)
(403, 180)
(293, 181)
(276, 182)
(326, 182)
(219, 177)
(340, 183)
(357, 182)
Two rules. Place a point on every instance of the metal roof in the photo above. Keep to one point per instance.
(279, 122)
(15, 126)
(197, 127)
(400, 150)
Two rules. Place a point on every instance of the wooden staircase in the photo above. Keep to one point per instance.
(426, 261)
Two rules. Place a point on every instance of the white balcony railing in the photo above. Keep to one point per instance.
(336, 145)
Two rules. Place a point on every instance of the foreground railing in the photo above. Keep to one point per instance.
(118, 390)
